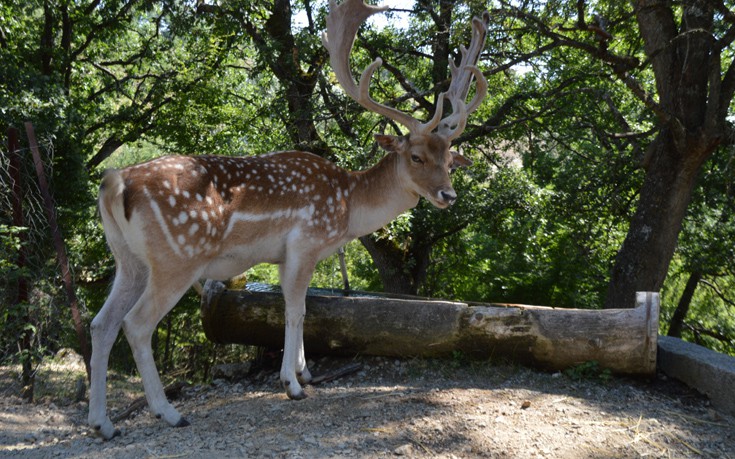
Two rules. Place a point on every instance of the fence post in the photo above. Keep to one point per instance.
(26, 337)
(60, 248)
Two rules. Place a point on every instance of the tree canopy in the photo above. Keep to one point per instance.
(603, 155)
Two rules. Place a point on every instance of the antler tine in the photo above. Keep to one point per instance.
(342, 24)
(452, 126)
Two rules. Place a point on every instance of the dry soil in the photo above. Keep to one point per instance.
(390, 408)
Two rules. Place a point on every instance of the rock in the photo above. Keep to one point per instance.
(69, 356)
(404, 450)
(231, 371)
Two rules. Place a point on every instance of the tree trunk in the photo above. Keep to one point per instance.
(298, 86)
(25, 340)
(440, 41)
(46, 48)
(677, 320)
(686, 66)
(643, 261)
(401, 271)
(388, 260)
(623, 341)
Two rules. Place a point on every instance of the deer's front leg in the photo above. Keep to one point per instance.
(295, 277)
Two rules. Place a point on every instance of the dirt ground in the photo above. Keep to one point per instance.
(389, 408)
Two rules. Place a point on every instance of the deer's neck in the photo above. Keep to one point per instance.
(378, 195)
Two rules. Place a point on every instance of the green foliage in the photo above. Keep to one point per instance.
(328, 273)
(10, 245)
(710, 321)
(589, 371)
(518, 249)
(541, 214)
(28, 326)
(11, 322)
(458, 360)
(706, 247)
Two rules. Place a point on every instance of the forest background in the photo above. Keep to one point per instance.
(603, 154)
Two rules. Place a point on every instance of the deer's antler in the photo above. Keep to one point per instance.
(342, 24)
(453, 125)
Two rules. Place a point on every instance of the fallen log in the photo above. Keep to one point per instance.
(621, 340)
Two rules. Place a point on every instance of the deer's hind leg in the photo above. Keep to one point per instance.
(162, 292)
(127, 288)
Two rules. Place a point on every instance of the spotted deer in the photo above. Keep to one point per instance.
(174, 220)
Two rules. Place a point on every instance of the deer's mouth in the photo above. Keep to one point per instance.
(442, 198)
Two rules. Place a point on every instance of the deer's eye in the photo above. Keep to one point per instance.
(416, 159)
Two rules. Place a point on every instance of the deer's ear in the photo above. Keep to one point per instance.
(459, 160)
(391, 143)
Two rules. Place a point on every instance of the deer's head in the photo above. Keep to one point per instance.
(425, 158)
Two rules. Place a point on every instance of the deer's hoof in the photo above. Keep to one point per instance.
(106, 431)
(304, 377)
(297, 396)
(182, 422)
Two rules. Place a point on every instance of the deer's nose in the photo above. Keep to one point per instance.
(448, 196)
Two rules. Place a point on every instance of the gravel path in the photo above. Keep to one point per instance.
(390, 408)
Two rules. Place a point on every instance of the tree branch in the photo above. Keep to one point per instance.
(402, 81)
(712, 285)
(719, 336)
(495, 121)
(450, 232)
(620, 65)
(106, 24)
(726, 13)
(337, 111)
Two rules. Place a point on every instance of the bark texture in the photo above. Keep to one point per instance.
(693, 99)
(622, 340)
(401, 271)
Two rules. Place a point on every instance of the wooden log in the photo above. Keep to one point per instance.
(621, 340)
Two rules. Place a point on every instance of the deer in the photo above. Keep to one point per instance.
(174, 220)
